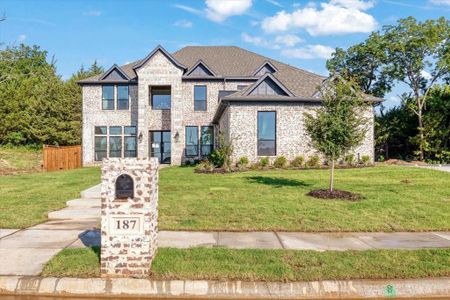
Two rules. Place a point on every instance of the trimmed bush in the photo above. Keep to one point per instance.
(243, 161)
(349, 159)
(264, 162)
(313, 161)
(365, 159)
(280, 162)
(298, 162)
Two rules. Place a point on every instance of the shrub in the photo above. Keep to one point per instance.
(280, 162)
(298, 162)
(381, 158)
(313, 161)
(349, 159)
(204, 166)
(243, 161)
(221, 157)
(187, 163)
(217, 158)
(264, 162)
(365, 159)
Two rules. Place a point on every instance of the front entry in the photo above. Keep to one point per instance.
(160, 144)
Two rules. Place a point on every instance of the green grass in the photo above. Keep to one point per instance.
(19, 159)
(26, 199)
(268, 265)
(276, 200)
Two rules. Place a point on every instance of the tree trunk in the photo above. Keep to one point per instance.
(332, 174)
(421, 136)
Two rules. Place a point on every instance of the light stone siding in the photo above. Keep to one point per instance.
(291, 137)
(159, 70)
(94, 115)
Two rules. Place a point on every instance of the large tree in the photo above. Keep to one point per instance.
(418, 54)
(338, 125)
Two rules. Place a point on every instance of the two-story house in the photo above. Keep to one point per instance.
(174, 106)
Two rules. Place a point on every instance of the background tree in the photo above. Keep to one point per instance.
(337, 126)
(418, 54)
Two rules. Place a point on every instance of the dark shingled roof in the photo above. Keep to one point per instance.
(231, 61)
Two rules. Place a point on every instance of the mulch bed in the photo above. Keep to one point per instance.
(335, 194)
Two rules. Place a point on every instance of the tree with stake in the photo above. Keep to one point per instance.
(338, 125)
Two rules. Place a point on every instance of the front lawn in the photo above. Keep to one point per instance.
(267, 265)
(26, 199)
(395, 199)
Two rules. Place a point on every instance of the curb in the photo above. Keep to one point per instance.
(330, 289)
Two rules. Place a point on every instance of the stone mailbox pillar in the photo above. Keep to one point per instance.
(129, 216)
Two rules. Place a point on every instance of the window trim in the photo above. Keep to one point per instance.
(185, 140)
(206, 97)
(201, 143)
(257, 132)
(151, 96)
(128, 97)
(113, 99)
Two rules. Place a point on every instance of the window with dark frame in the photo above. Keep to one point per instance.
(267, 133)
(160, 97)
(200, 98)
(122, 97)
(108, 97)
(100, 143)
(115, 141)
(129, 142)
(191, 137)
(206, 140)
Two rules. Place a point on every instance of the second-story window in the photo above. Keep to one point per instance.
(200, 97)
(108, 97)
(160, 97)
(122, 97)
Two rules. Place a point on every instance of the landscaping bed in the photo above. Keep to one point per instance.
(267, 265)
(394, 199)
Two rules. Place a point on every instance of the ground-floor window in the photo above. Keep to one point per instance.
(115, 141)
(267, 133)
(207, 140)
(191, 141)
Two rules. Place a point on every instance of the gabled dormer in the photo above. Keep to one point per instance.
(114, 74)
(266, 67)
(200, 69)
(159, 48)
(268, 85)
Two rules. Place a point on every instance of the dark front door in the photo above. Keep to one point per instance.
(160, 146)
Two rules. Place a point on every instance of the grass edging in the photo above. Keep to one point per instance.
(267, 265)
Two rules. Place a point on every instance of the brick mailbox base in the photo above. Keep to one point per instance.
(129, 216)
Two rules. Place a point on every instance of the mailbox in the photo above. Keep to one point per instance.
(124, 187)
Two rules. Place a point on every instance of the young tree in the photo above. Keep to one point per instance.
(418, 54)
(338, 125)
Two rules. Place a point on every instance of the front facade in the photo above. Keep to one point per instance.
(175, 107)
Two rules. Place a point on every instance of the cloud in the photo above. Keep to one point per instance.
(425, 75)
(258, 41)
(309, 52)
(189, 9)
(289, 40)
(21, 37)
(334, 17)
(92, 13)
(219, 10)
(440, 2)
(183, 23)
(274, 2)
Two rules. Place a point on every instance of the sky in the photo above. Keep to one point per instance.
(300, 33)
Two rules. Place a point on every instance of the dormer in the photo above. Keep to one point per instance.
(200, 69)
(114, 74)
(268, 85)
(266, 67)
(165, 53)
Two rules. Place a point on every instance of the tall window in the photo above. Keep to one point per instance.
(115, 141)
(160, 97)
(129, 142)
(191, 141)
(122, 97)
(207, 140)
(200, 97)
(100, 151)
(266, 133)
(108, 97)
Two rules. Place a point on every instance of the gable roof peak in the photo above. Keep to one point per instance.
(161, 49)
(110, 70)
(263, 78)
(200, 62)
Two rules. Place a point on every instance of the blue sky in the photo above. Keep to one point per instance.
(301, 33)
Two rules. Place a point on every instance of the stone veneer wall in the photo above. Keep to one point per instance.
(292, 139)
(129, 255)
(94, 115)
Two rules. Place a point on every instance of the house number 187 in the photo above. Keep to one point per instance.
(125, 224)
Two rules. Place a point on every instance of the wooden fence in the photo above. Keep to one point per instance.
(61, 158)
